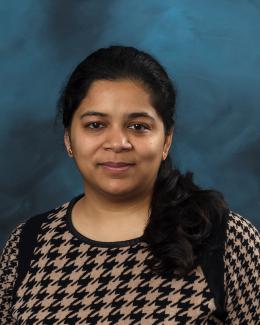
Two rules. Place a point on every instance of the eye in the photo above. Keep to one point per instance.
(140, 127)
(94, 124)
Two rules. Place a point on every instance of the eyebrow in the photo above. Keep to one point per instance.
(131, 115)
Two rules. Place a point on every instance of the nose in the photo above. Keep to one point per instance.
(117, 140)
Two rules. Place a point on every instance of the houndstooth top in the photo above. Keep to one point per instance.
(75, 280)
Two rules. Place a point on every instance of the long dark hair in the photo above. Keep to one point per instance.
(182, 215)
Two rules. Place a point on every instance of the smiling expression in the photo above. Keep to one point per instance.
(115, 123)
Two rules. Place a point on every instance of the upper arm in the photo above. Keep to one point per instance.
(8, 266)
(241, 276)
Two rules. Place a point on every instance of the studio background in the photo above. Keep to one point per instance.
(211, 50)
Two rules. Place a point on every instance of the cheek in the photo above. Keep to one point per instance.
(84, 145)
(151, 150)
(147, 149)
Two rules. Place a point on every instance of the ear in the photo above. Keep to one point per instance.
(167, 144)
(67, 143)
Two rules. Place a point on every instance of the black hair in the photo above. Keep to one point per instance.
(182, 215)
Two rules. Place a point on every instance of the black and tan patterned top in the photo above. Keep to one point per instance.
(75, 280)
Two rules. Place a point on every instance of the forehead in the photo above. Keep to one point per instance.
(117, 97)
(121, 87)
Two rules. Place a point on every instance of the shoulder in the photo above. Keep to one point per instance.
(241, 232)
(242, 245)
(15, 234)
(22, 240)
(241, 275)
(11, 246)
(49, 214)
(54, 214)
(31, 223)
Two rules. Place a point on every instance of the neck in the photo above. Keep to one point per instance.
(119, 219)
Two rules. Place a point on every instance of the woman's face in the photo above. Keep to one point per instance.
(116, 123)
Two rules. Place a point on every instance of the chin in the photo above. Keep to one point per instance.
(119, 191)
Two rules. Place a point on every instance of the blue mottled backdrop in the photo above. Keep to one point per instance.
(211, 50)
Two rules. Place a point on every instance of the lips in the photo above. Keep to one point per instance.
(116, 167)
(116, 164)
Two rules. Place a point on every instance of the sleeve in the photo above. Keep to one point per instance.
(241, 272)
(8, 267)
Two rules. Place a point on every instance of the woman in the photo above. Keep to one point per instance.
(143, 244)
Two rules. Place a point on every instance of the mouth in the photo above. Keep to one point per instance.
(116, 167)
